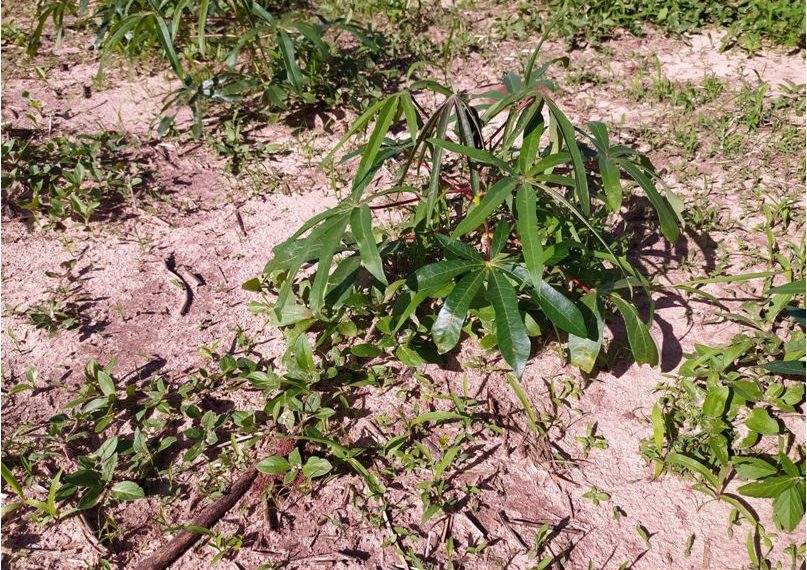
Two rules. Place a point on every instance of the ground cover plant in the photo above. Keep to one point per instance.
(718, 419)
(748, 23)
(231, 52)
(544, 319)
(69, 177)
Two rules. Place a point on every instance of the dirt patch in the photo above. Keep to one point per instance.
(132, 313)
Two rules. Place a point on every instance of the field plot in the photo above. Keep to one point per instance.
(401, 284)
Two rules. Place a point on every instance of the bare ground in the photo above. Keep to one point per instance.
(132, 314)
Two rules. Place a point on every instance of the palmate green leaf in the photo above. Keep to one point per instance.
(362, 227)
(667, 218)
(437, 274)
(494, 196)
(583, 350)
(293, 73)
(642, 345)
(527, 228)
(511, 334)
(578, 166)
(448, 325)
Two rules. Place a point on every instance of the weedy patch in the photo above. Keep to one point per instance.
(80, 177)
(749, 25)
(231, 52)
(726, 416)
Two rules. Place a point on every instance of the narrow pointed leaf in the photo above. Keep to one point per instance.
(667, 218)
(642, 345)
(578, 166)
(527, 228)
(361, 225)
(448, 325)
(511, 334)
(435, 275)
(437, 162)
(495, 195)
(458, 248)
(164, 37)
(476, 154)
(382, 125)
(286, 47)
(583, 350)
(327, 247)
(357, 125)
(559, 309)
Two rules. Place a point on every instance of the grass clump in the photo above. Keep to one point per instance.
(749, 23)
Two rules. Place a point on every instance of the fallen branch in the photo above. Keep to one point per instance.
(171, 267)
(177, 546)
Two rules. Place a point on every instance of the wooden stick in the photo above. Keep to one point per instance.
(177, 546)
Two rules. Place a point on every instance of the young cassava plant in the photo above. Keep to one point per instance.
(494, 225)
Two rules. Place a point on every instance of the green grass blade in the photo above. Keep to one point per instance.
(293, 73)
(204, 6)
(164, 37)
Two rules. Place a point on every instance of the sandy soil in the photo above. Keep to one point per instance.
(132, 314)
